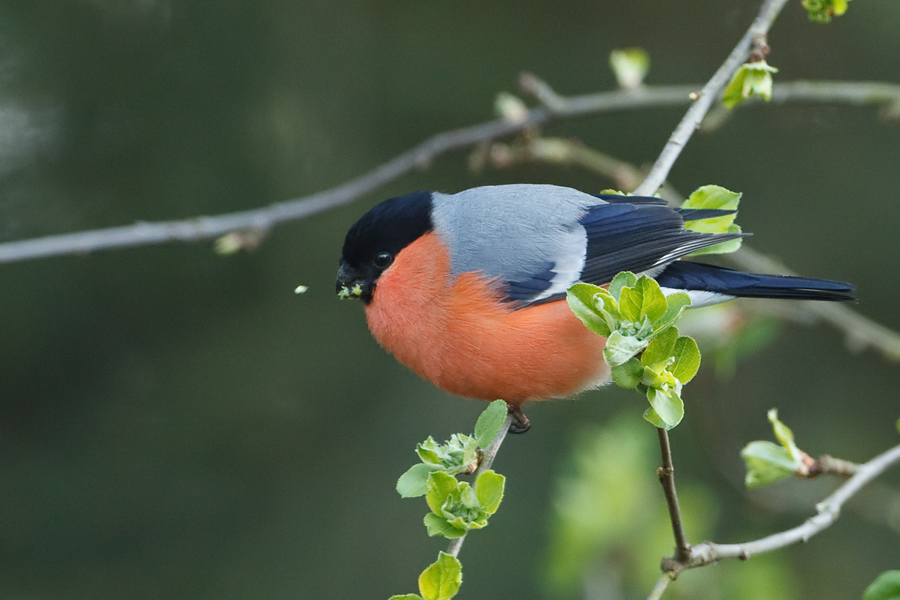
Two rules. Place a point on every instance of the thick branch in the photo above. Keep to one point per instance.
(828, 512)
(707, 96)
(262, 219)
(487, 459)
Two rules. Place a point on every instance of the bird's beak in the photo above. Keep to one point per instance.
(351, 284)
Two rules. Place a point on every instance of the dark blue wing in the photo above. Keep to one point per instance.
(637, 238)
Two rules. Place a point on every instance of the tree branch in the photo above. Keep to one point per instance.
(827, 513)
(707, 96)
(263, 219)
(487, 459)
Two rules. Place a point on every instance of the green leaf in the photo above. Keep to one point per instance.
(660, 347)
(687, 359)
(489, 489)
(715, 197)
(766, 463)
(630, 66)
(725, 247)
(620, 281)
(414, 482)
(677, 304)
(489, 423)
(785, 435)
(652, 417)
(630, 304)
(440, 485)
(628, 374)
(406, 597)
(898, 425)
(654, 301)
(667, 405)
(437, 525)
(885, 587)
(582, 301)
(752, 79)
(620, 348)
(429, 452)
(441, 580)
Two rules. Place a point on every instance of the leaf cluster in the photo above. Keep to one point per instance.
(821, 11)
(637, 318)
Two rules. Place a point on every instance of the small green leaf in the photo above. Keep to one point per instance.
(766, 463)
(440, 485)
(489, 423)
(406, 597)
(581, 299)
(630, 304)
(752, 79)
(429, 453)
(898, 425)
(885, 587)
(653, 418)
(489, 488)
(687, 359)
(630, 66)
(667, 405)
(714, 197)
(414, 482)
(620, 348)
(437, 525)
(725, 247)
(441, 580)
(785, 435)
(660, 347)
(628, 374)
(677, 304)
(654, 302)
(621, 280)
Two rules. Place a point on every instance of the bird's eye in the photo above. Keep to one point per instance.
(382, 260)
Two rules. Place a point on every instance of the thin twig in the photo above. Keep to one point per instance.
(710, 92)
(827, 513)
(666, 475)
(487, 459)
(262, 219)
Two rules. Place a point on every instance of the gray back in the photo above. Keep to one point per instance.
(514, 231)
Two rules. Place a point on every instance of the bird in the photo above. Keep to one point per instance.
(468, 289)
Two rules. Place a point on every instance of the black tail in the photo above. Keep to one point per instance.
(685, 275)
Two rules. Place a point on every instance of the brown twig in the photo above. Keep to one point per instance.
(666, 475)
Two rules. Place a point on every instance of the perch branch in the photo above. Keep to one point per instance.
(487, 459)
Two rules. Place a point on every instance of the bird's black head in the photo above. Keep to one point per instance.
(375, 240)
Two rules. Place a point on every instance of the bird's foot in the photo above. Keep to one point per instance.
(520, 423)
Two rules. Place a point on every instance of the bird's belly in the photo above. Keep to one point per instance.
(462, 338)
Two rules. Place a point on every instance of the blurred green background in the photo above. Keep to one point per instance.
(175, 424)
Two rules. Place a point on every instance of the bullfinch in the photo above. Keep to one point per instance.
(468, 290)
